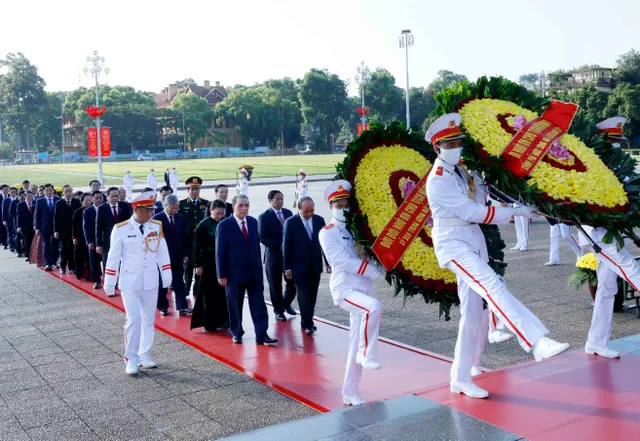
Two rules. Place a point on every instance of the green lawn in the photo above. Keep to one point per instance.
(79, 175)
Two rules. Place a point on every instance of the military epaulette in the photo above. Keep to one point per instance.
(326, 227)
(156, 221)
(122, 224)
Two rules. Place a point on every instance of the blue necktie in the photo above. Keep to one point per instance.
(308, 227)
(50, 204)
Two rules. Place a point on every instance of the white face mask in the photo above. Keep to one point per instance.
(452, 156)
(338, 213)
(615, 145)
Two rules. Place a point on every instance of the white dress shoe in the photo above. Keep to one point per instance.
(131, 369)
(498, 336)
(367, 363)
(469, 389)
(475, 371)
(550, 263)
(524, 249)
(516, 248)
(547, 348)
(148, 364)
(353, 400)
(603, 352)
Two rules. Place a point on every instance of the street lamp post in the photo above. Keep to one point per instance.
(94, 69)
(406, 41)
(363, 76)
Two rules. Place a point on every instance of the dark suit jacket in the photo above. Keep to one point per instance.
(25, 217)
(63, 216)
(77, 231)
(302, 254)
(44, 215)
(105, 222)
(13, 211)
(89, 224)
(229, 210)
(236, 259)
(271, 235)
(176, 237)
(6, 207)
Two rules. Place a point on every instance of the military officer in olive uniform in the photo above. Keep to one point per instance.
(194, 210)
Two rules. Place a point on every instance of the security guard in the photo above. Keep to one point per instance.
(194, 210)
(352, 290)
(457, 201)
(302, 188)
(611, 265)
(138, 251)
(242, 187)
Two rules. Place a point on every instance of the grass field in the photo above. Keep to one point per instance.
(79, 175)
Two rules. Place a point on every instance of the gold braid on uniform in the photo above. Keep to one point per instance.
(470, 183)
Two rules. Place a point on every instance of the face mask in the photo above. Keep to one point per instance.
(452, 156)
(338, 213)
(615, 145)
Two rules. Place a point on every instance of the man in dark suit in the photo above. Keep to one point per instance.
(166, 177)
(303, 258)
(26, 211)
(4, 193)
(165, 190)
(7, 219)
(174, 230)
(62, 227)
(44, 226)
(80, 250)
(194, 209)
(222, 193)
(109, 214)
(13, 214)
(239, 270)
(89, 229)
(270, 228)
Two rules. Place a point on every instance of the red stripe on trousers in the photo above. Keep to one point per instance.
(494, 303)
(360, 269)
(493, 317)
(621, 270)
(366, 325)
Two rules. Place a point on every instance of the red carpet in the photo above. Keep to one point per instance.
(307, 369)
(570, 397)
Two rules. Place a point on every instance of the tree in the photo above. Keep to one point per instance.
(47, 126)
(186, 82)
(445, 79)
(629, 67)
(530, 81)
(197, 115)
(21, 96)
(591, 101)
(283, 95)
(383, 96)
(322, 98)
(422, 103)
(625, 101)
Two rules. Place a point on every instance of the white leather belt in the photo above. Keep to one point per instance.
(451, 222)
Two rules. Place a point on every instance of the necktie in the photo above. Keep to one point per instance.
(29, 204)
(142, 230)
(171, 221)
(195, 202)
(50, 204)
(115, 214)
(69, 203)
(280, 218)
(245, 232)
(308, 227)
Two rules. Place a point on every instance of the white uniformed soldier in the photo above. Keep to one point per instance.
(138, 251)
(611, 265)
(128, 185)
(152, 180)
(460, 246)
(174, 180)
(302, 188)
(352, 290)
(243, 183)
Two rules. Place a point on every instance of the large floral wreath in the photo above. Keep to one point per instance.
(581, 178)
(384, 164)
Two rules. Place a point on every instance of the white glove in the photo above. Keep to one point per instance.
(110, 290)
(525, 211)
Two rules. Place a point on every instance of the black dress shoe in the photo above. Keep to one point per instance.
(280, 317)
(20, 255)
(97, 285)
(164, 312)
(27, 259)
(309, 331)
(237, 340)
(62, 271)
(47, 268)
(291, 311)
(267, 341)
(225, 325)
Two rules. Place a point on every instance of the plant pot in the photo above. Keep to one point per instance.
(592, 290)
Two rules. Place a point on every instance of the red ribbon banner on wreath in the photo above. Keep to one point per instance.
(404, 227)
(531, 143)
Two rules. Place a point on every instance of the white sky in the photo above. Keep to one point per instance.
(149, 44)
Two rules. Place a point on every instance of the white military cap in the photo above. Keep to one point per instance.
(445, 128)
(337, 190)
(146, 199)
(613, 127)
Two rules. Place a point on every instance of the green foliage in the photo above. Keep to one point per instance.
(444, 80)
(47, 126)
(422, 103)
(186, 82)
(197, 115)
(629, 67)
(6, 152)
(383, 96)
(582, 276)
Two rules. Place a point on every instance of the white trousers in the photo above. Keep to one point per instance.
(365, 312)
(477, 280)
(611, 265)
(523, 225)
(129, 193)
(555, 231)
(140, 308)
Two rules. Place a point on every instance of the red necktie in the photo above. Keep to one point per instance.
(29, 207)
(115, 214)
(245, 232)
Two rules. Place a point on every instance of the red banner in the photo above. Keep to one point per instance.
(105, 142)
(403, 227)
(92, 142)
(532, 142)
(359, 129)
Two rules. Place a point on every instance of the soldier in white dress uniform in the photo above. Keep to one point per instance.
(456, 198)
(612, 263)
(352, 290)
(174, 180)
(128, 185)
(302, 188)
(152, 180)
(243, 183)
(138, 251)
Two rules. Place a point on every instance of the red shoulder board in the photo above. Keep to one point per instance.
(439, 170)
(326, 227)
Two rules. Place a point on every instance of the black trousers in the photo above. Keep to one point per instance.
(3, 235)
(50, 245)
(307, 284)
(94, 264)
(190, 277)
(67, 253)
(27, 240)
(81, 260)
(280, 302)
(177, 286)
